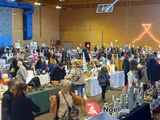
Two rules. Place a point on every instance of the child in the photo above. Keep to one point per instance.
(132, 78)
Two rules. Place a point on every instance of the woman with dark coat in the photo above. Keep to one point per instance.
(103, 79)
(86, 54)
(23, 107)
(39, 64)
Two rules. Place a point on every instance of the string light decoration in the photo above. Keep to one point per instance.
(146, 31)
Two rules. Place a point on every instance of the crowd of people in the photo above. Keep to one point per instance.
(16, 105)
(138, 66)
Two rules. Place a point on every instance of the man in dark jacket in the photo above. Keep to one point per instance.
(7, 101)
(14, 67)
(58, 73)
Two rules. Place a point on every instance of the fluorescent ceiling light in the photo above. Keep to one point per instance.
(58, 7)
(37, 3)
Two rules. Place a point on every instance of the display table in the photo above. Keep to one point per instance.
(41, 98)
(93, 88)
(139, 113)
(43, 78)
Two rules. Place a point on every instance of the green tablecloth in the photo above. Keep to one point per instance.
(41, 98)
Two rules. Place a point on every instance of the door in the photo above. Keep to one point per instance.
(68, 45)
(87, 45)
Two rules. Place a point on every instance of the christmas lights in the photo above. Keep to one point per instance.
(146, 31)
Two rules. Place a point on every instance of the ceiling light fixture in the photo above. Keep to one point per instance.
(37, 3)
(58, 7)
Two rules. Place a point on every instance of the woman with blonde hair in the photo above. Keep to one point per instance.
(79, 81)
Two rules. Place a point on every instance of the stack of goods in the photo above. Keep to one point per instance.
(84, 64)
(127, 102)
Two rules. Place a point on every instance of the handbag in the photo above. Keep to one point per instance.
(12, 70)
(73, 113)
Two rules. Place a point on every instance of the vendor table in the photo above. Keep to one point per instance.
(41, 98)
(44, 79)
(139, 113)
(93, 88)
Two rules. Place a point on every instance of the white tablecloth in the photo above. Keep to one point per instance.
(43, 78)
(93, 88)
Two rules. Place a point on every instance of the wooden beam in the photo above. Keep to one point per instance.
(80, 2)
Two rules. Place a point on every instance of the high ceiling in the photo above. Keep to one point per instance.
(89, 3)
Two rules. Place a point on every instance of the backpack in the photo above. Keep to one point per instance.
(139, 74)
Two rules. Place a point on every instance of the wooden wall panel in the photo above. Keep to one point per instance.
(49, 25)
(123, 24)
(78, 37)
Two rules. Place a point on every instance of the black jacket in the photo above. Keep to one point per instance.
(39, 65)
(7, 101)
(125, 65)
(14, 65)
(22, 109)
(58, 74)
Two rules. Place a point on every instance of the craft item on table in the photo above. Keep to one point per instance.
(90, 68)
(55, 83)
(118, 99)
(151, 93)
(113, 98)
(159, 90)
(91, 73)
(116, 104)
(126, 101)
(130, 98)
(124, 91)
(30, 88)
(120, 105)
(157, 84)
(84, 64)
(112, 68)
(49, 85)
(115, 114)
(122, 101)
(87, 74)
(155, 92)
(136, 97)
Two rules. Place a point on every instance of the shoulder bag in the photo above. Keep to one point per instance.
(73, 113)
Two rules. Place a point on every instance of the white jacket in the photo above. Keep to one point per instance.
(132, 79)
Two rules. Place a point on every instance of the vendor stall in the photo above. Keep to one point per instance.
(93, 88)
(41, 98)
(44, 78)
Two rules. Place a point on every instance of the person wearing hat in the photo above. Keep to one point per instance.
(7, 100)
